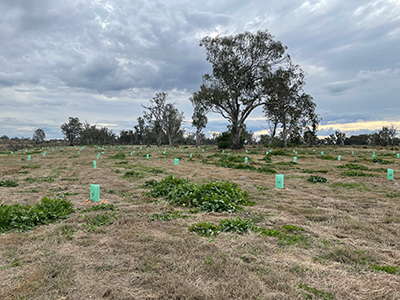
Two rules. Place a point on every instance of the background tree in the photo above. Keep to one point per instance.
(164, 115)
(71, 130)
(140, 130)
(287, 101)
(39, 136)
(392, 132)
(340, 137)
(4, 138)
(236, 85)
(199, 118)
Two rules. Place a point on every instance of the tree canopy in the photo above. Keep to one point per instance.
(236, 86)
(71, 130)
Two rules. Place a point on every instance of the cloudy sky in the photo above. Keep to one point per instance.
(99, 60)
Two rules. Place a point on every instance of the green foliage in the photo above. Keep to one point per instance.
(93, 222)
(316, 178)
(67, 231)
(102, 206)
(168, 216)
(317, 293)
(381, 161)
(19, 217)
(354, 167)
(205, 229)
(132, 174)
(119, 156)
(266, 170)
(9, 183)
(69, 179)
(44, 179)
(308, 171)
(122, 163)
(156, 171)
(31, 167)
(236, 225)
(388, 269)
(280, 152)
(216, 197)
(357, 173)
(150, 183)
(267, 158)
(328, 157)
(393, 195)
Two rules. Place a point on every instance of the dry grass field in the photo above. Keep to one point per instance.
(334, 240)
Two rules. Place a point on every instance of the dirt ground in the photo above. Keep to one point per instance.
(351, 224)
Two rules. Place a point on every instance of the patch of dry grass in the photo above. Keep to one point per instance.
(350, 224)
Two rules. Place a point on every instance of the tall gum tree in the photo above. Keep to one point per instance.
(240, 65)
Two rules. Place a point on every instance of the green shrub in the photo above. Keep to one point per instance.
(102, 206)
(354, 167)
(156, 171)
(216, 197)
(132, 174)
(31, 167)
(316, 178)
(205, 229)
(9, 183)
(267, 158)
(119, 156)
(357, 173)
(280, 152)
(150, 183)
(236, 225)
(266, 170)
(381, 161)
(122, 163)
(328, 157)
(308, 171)
(20, 218)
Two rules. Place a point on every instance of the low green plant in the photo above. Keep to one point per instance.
(63, 195)
(354, 167)
(20, 218)
(168, 216)
(102, 206)
(68, 231)
(316, 293)
(280, 152)
(109, 191)
(266, 170)
(205, 229)
(357, 173)
(316, 179)
(93, 222)
(122, 163)
(9, 183)
(132, 174)
(156, 171)
(118, 156)
(237, 225)
(213, 196)
(267, 158)
(30, 167)
(308, 171)
(24, 172)
(69, 179)
(43, 179)
(150, 183)
(388, 269)
(328, 157)
(393, 195)
(381, 161)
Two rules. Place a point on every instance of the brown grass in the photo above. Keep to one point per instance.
(347, 229)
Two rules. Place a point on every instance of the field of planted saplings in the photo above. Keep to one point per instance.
(199, 223)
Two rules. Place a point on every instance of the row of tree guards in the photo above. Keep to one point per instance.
(279, 178)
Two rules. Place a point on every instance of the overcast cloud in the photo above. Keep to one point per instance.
(99, 60)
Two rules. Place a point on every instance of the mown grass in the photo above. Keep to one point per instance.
(306, 241)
